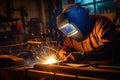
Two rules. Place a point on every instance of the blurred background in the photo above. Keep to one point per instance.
(23, 20)
(28, 33)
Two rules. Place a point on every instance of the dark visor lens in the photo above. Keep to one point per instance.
(68, 29)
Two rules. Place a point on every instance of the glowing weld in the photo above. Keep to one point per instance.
(50, 60)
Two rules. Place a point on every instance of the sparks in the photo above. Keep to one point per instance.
(47, 56)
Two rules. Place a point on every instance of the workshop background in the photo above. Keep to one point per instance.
(22, 20)
(28, 28)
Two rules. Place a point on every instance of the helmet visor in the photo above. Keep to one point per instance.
(68, 29)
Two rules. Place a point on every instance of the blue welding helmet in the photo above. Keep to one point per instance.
(73, 22)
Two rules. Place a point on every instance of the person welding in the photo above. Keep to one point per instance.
(88, 37)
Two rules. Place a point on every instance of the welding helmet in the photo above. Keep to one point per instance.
(73, 22)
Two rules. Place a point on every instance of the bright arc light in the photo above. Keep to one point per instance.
(50, 60)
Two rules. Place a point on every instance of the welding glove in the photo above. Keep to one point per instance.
(63, 55)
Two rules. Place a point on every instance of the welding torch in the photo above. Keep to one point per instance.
(70, 55)
(93, 63)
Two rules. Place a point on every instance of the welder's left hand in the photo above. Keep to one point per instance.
(62, 54)
(67, 57)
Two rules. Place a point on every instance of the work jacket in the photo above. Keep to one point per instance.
(99, 45)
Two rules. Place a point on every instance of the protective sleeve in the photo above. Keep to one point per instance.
(106, 32)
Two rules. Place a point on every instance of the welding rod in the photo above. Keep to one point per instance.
(67, 56)
(34, 42)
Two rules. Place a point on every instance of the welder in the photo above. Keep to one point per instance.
(88, 37)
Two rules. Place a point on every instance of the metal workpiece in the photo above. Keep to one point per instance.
(89, 71)
(43, 75)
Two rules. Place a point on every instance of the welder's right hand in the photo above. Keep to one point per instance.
(62, 54)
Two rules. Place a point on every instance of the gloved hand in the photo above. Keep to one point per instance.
(62, 54)
(73, 57)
